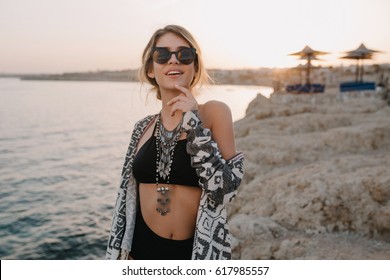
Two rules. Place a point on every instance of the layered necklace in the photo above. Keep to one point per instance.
(165, 142)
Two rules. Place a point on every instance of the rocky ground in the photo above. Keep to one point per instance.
(317, 182)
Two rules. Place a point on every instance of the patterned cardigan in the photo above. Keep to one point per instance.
(218, 178)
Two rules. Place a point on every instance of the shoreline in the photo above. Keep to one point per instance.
(277, 78)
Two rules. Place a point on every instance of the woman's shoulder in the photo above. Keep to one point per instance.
(213, 112)
(214, 107)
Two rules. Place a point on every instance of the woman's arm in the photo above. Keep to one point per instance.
(218, 177)
(217, 117)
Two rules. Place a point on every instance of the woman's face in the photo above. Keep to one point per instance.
(173, 72)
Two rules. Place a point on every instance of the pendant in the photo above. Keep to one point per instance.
(163, 200)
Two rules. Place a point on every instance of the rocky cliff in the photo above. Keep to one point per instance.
(317, 182)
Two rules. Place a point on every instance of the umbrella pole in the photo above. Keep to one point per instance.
(357, 71)
(361, 71)
(308, 72)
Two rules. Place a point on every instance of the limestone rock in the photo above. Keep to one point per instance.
(317, 173)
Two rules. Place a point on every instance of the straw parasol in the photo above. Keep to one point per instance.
(309, 54)
(360, 53)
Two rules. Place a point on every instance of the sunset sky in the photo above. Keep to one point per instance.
(54, 36)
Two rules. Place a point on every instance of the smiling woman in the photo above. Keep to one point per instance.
(181, 167)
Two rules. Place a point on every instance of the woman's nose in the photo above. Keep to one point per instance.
(173, 59)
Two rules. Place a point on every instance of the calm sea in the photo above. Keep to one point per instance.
(62, 146)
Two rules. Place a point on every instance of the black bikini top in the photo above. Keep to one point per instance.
(182, 173)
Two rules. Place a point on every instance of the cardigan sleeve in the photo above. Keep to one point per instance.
(219, 178)
(123, 221)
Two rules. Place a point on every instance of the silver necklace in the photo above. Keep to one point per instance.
(165, 143)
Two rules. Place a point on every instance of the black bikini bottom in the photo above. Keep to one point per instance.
(147, 245)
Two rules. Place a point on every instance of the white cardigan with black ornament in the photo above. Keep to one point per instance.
(218, 178)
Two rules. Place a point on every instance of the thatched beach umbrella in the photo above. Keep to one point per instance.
(360, 53)
(309, 54)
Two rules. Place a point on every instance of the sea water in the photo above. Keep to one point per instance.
(62, 146)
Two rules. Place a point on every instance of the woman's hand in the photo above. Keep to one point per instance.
(184, 102)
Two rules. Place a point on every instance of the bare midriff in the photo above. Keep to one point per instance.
(179, 222)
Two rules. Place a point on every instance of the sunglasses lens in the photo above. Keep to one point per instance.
(161, 56)
(186, 56)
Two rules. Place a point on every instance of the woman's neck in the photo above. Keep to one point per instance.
(169, 121)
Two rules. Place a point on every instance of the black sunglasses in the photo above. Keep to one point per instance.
(162, 55)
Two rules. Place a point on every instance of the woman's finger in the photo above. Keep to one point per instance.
(182, 106)
(177, 106)
(184, 90)
(175, 99)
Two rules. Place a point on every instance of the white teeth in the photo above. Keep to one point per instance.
(173, 73)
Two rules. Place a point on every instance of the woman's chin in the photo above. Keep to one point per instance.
(172, 87)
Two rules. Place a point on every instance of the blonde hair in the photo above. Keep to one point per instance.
(201, 76)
